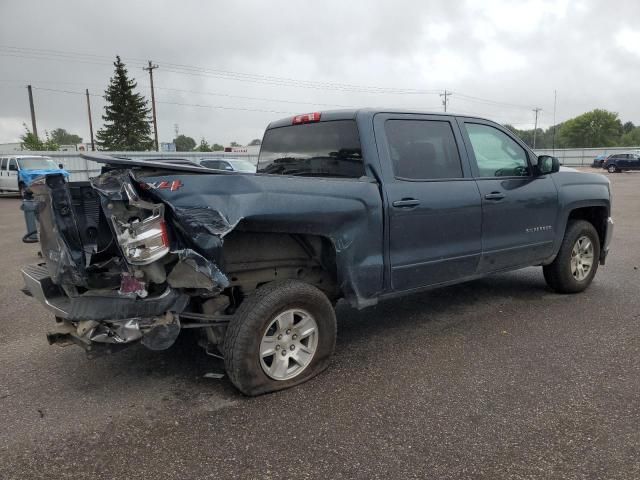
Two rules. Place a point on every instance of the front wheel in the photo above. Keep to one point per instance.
(577, 261)
(283, 334)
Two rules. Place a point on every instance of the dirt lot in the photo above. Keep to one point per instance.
(499, 378)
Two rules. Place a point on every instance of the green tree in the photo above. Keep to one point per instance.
(631, 138)
(184, 143)
(217, 147)
(628, 127)
(62, 137)
(598, 128)
(30, 142)
(127, 125)
(203, 147)
(234, 144)
(254, 142)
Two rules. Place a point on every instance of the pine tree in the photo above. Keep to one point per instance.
(127, 125)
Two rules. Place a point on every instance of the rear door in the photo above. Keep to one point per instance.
(434, 207)
(519, 208)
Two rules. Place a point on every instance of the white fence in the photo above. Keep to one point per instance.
(583, 156)
(81, 169)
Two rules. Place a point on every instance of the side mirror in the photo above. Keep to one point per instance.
(548, 164)
(60, 166)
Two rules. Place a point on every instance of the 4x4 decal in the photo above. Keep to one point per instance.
(171, 185)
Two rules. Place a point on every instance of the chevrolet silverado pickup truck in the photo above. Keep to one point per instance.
(353, 205)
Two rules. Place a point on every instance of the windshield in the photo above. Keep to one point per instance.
(37, 163)
(323, 149)
(242, 166)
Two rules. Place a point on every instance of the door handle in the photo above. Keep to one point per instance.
(494, 196)
(406, 203)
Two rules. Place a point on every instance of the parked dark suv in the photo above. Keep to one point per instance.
(622, 161)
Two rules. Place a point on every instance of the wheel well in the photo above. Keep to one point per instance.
(251, 259)
(597, 216)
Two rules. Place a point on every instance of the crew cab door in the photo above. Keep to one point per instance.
(433, 204)
(519, 207)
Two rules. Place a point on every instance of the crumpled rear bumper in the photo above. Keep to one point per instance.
(107, 320)
(97, 307)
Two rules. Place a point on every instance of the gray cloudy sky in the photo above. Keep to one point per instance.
(263, 60)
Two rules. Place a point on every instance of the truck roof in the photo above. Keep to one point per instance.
(352, 113)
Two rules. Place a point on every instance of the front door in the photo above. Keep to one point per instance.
(3, 172)
(633, 162)
(519, 208)
(434, 208)
(11, 180)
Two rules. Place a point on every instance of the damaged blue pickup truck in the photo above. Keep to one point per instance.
(359, 205)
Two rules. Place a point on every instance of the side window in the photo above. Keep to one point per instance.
(497, 154)
(225, 166)
(423, 149)
(13, 166)
(3, 164)
(210, 164)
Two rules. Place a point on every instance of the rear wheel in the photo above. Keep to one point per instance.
(612, 169)
(282, 335)
(577, 261)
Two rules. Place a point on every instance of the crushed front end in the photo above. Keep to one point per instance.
(118, 267)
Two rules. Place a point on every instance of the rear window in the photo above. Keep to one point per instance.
(323, 149)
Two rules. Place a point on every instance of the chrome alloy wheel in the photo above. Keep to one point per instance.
(289, 344)
(581, 258)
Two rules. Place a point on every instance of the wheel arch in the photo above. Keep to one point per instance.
(254, 258)
(596, 215)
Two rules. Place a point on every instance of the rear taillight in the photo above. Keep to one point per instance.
(143, 241)
(306, 118)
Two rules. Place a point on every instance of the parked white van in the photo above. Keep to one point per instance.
(18, 171)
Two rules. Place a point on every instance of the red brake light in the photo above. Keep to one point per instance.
(306, 118)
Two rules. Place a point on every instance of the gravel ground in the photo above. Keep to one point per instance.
(498, 378)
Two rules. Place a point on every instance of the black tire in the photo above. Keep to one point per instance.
(558, 273)
(612, 169)
(255, 314)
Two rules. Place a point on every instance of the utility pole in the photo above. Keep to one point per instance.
(445, 99)
(93, 145)
(33, 113)
(535, 128)
(555, 100)
(150, 69)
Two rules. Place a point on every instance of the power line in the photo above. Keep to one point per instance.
(270, 80)
(221, 107)
(49, 54)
